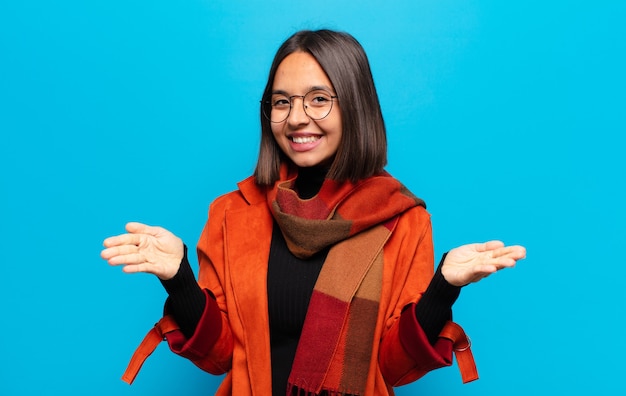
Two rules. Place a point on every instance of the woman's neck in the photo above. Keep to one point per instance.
(309, 181)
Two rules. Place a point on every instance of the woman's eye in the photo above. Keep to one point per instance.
(280, 102)
(320, 99)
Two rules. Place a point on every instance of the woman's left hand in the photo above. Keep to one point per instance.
(471, 263)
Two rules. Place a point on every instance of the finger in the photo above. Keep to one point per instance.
(123, 239)
(519, 252)
(118, 250)
(128, 259)
(509, 257)
(504, 262)
(132, 269)
(140, 228)
(492, 245)
(516, 252)
(487, 246)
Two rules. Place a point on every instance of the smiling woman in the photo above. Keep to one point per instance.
(316, 275)
(306, 140)
(339, 64)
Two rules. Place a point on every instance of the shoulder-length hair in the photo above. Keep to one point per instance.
(362, 151)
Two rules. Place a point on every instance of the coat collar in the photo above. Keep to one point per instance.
(252, 192)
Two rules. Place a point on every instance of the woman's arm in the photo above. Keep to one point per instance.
(187, 301)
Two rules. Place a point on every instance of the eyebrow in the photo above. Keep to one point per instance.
(311, 88)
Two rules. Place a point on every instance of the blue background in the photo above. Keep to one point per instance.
(506, 117)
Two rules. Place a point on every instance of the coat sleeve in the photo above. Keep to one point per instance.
(211, 345)
(405, 353)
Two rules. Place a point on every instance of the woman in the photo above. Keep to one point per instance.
(316, 275)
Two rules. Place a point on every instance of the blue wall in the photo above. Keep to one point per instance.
(507, 118)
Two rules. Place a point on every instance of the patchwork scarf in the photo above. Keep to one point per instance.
(355, 220)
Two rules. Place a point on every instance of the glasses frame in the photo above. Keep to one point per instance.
(268, 103)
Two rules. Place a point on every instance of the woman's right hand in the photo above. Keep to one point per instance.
(144, 248)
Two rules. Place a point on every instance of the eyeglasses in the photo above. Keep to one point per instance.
(317, 105)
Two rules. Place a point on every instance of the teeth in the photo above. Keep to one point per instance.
(305, 139)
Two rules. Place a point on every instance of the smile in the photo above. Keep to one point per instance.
(304, 139)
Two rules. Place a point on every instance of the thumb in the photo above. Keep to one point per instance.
(140, 228)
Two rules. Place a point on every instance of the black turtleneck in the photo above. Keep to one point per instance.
(309, 181)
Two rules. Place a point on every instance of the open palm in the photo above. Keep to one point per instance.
(144, 248)
(471, 263)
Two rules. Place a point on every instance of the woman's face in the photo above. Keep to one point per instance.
(307, 142)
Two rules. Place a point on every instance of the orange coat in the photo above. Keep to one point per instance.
(233, 254)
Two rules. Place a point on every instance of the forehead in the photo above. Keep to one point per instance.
(298, 73)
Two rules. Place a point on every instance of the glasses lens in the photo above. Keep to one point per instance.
(318, 104)
(279, 107)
